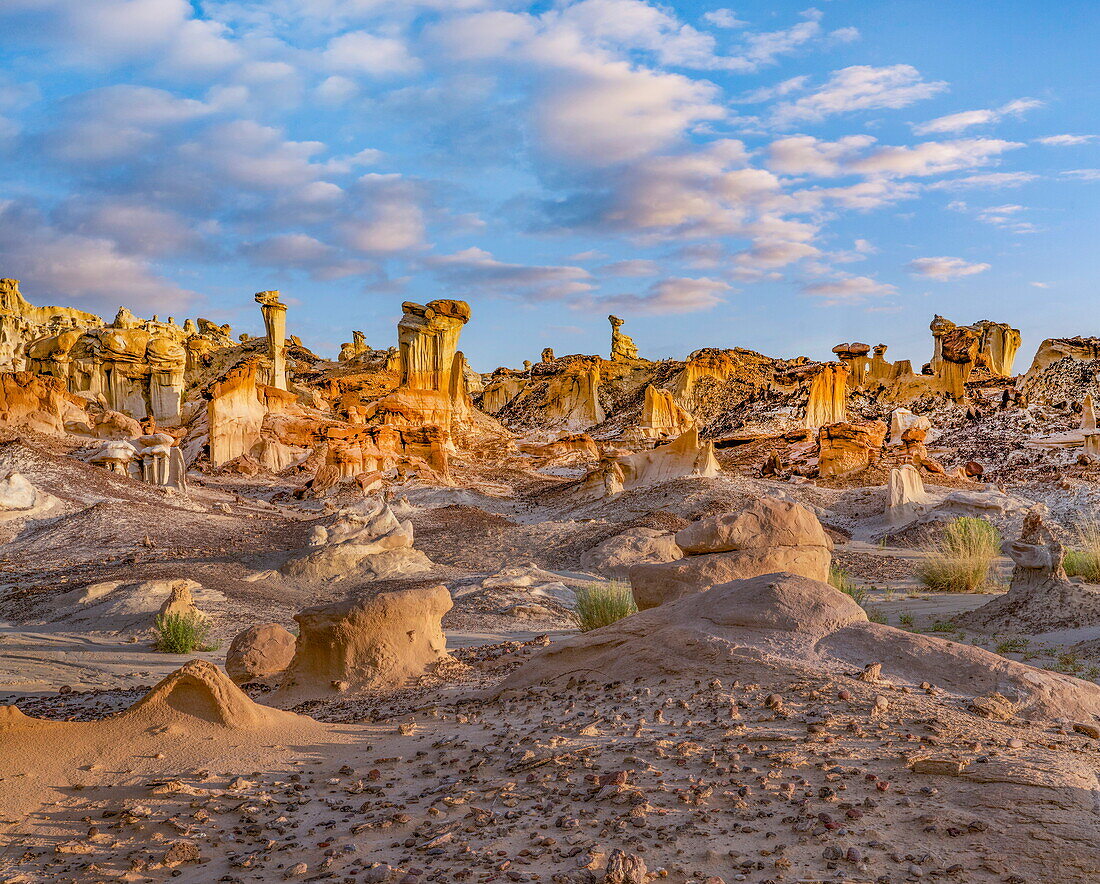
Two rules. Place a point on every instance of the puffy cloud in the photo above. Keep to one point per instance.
(300, 251)
(669, 296)
(609, 113)
(1065, 140)
(723, 18)
(60, 266)
(932, 157)
(966, 119)
(763, 49)
(806, 155)
(115, 32)
(474, 270)
(360, 52)
(944, 268)
(135, 227)
(856, 88)
(391, 218)
(254, 157)
(848, 290)
(117, 123)
(769, 255)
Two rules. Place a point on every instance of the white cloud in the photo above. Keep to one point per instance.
(1041, 285)
(391, 218)
(848, 290)
(723, 18)
(932, 157)
(806, 155)
(1065, 140)
(360, 52)
(856, 88)
(62, 267)
(669, 296)
(944, 268)
(1082, 174)
(966, 119)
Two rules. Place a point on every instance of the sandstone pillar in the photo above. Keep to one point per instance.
(274, 312)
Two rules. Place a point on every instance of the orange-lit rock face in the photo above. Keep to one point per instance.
(21, 323)
(828, 395)
(661, 416)
(41, 404)
(237, 409)
(849, 447)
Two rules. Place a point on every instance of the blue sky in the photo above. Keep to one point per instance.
(770, 175)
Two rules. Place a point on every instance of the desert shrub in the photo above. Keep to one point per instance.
(182, 633)
(1084, 560)
(601, 604)
(1014, 645)
(839, 579)
(961, 560)
(876, 616)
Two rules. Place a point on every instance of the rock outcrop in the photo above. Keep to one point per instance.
(623, 348)
(768, 536)
(615, 556)
(849, 447)
(906, 499)
(367, 643)
(365, 541)
(1041, 598)
(274, 312)
(22, 322)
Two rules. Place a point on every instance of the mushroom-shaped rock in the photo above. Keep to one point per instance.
(364, 643)
(259, 652)
(768, 536)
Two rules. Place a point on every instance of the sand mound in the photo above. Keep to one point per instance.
(200, 692)
(780, 626)
(1041, 598)
(367, 643)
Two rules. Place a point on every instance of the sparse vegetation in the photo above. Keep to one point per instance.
(839, 579)
(1016, 645)
(875, 615)
(183, 634)
(601, 604)
(943, 626)
(961, 561)
(1084, 560)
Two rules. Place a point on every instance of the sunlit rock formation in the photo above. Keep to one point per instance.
(623, 348)
(274, 312)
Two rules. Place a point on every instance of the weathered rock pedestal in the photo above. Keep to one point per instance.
(274, 312)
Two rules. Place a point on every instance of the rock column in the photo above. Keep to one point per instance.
(274, 312)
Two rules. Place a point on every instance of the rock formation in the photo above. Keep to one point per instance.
(274, 312)
(623, 348)
(259, 653)
(367, 643)
(615, 556)
(40, 404)
(661, 417)
(238, 405)
(21, 323)
(1041, 598)
(906, 499)
(356, 348)
(828, 396)
(366, 540)
(769, 535)
(849, 447)
(786, 627)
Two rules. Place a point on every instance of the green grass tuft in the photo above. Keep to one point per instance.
(962, 559)
(601, 604)
(839, 579)
(183, 634)
(1084, 561)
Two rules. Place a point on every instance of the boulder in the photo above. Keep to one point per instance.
(261, 651)
(635, 546)
(362, 643)
(768, 536)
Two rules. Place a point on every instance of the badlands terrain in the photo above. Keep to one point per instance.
(384, 553)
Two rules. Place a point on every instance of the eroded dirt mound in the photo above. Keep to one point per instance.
(780, 626)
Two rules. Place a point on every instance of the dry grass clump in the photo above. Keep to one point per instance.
(1084, 560)
(601, 604)
(183, 633)
(839, 579)
(962, 559)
